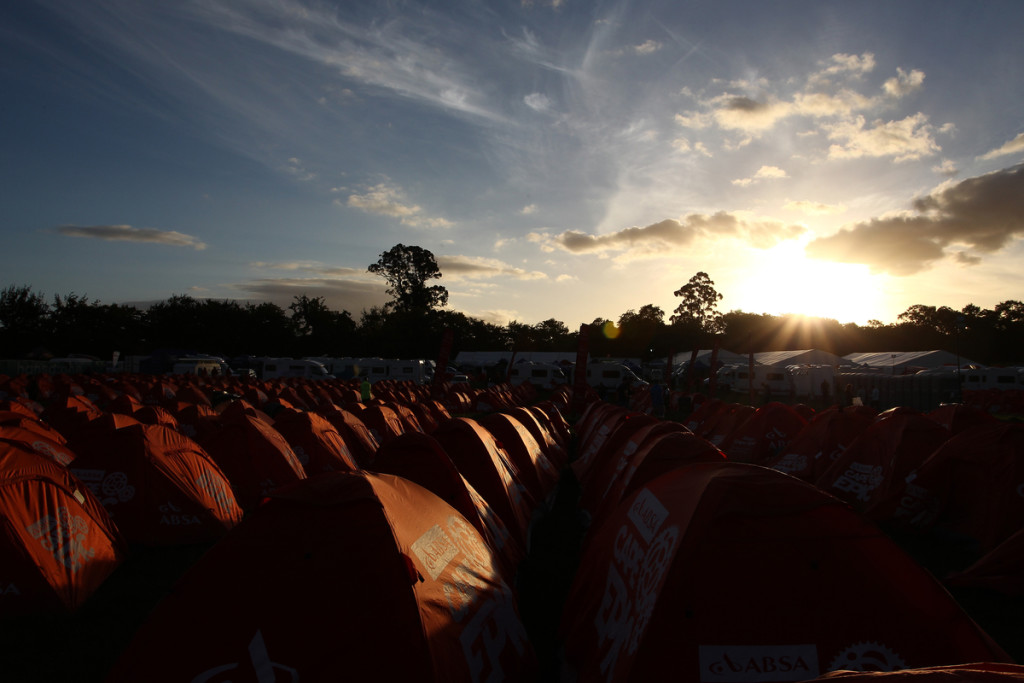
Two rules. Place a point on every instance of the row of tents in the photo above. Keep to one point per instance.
(704, 560)
(385, 539)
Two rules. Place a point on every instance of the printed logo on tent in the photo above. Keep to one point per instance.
(46, 448)
(172, 515)
(493, 624)
(435, 550)
(918, 505)
(791, 462)
(65, 537)
(216, 489)
(110, 487)
(642, 553)
(266, 670)
(861, 480)
(9, 589)
(867, 657)
(743, 663)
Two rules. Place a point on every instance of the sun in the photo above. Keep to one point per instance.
(782, 280)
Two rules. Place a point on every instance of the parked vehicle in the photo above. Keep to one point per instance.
(294, 367)
(610, 375)
(197, 366)
(542, 375)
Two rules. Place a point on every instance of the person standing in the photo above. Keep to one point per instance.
(364, 391)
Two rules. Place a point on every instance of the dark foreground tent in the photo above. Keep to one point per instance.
(870, 473)
(159, 486)
(822, 441)
(57, 543)
(734, 572)
(971, 487)
(1000, 569)
(341, 577)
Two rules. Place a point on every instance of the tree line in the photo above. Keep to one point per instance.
(414, 323)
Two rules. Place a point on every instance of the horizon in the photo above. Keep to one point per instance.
(561, 160)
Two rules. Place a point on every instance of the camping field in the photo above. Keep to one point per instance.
(82, 647)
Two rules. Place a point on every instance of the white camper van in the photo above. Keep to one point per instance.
(197, 366)
(294, 367)
(418, 371)
(739, 379)
(611, 375)
(543, 375)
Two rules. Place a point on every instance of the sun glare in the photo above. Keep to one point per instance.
(783, 281)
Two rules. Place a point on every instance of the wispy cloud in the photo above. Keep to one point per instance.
(389, 200)
(763, 173)
(126, 233)
(905, 140)
(813, 208)
(963, 220)
(1014, 146)
(458, 267)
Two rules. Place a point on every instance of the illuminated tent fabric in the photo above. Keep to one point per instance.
(871, 471)
(1001, 569)
(56, 451)
(549, 443)
(316, 442)
(253, 455)
(718, 569)
(360, 440)
(822, 441)
(487, 468)
(383, 422)
(535, 469)
(972, 486)
(422, 459)
(764, 435)
(159, 487)
(552, 418)
(57, 543)
(156, 415)
(975, 672)
(346, 576)
(10, 418)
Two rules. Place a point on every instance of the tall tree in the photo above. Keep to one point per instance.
(407, 271)
(699, 305)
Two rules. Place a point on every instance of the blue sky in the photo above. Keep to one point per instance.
(567, 160)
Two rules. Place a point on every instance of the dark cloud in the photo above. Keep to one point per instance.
(982, 214)
(670, 233)
(126, 233)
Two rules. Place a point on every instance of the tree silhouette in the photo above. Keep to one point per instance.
(699, 306)
(407, 271)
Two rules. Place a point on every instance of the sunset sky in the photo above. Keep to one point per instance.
(568, 159)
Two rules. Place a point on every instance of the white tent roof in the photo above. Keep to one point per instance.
(904, 359)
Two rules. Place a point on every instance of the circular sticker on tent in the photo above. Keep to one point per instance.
(867, 657)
